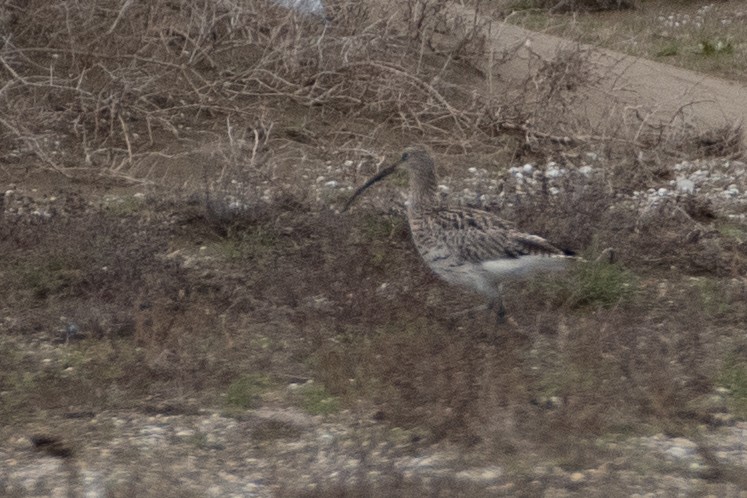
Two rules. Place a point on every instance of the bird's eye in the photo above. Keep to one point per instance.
(405, 156)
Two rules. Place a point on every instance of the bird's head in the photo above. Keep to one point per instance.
(418, 163)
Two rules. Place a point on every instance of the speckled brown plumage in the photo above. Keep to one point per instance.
(464, 246)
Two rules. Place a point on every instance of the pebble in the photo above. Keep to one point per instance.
(685, 185)
(481, 475)
(553, 172)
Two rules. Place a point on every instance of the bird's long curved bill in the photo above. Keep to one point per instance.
(379, 176)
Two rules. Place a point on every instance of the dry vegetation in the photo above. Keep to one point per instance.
(219, 294)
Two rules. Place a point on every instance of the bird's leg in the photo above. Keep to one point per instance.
(496, 304)
(501, 312)
(606, 256)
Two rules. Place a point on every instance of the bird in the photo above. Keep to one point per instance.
(467, 247)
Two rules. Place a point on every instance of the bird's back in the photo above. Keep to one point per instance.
(479, 249)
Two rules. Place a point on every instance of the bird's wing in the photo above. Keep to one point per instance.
(478, 236)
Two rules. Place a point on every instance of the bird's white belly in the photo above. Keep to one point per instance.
(467, 275)
(486, 277)
(524, 266)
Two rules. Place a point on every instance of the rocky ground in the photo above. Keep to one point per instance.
(177, 448)
(269, 453)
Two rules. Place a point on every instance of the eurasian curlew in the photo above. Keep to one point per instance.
(464, 246)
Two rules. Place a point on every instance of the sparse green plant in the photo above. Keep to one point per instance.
(125, 205)
(199, 439)
(708, 47)
(713, 296)
(733, 377)
(732, 230)
(52, 277)
(248, 243)
(591, 284)
(316, 400)
(668, 50)
(246, 391)
(376, 226)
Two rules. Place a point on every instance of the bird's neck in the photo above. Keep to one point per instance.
(423, 188)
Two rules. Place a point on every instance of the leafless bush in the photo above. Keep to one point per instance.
(687, 142)
(116, 80)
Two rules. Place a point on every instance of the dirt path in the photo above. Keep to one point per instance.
(658, 91)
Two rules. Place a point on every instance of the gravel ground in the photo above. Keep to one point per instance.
(265, 452)
(281, 450)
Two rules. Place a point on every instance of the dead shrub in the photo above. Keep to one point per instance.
(127, 76)
(130, 86)
(674, 139)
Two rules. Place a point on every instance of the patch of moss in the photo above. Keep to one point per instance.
(316, 400)
(668, 50)
(732, 230)
(246, 391)
(733, 376)
(125, 206)
(713, 297)
(250, 243)
(715, 47)
(53, 276)
(376, 227)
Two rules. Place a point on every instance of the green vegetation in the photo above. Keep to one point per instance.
(255, 242)
(713, 296)
(246, 391)
(733, 230)
(602, 284)
(668, 50)
(733, 377)
(591, 284)
(316, 400)
(125, 205)
(377, 227)
(708, 47)
(53, 276)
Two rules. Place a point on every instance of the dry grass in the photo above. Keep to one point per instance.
(133, 91)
